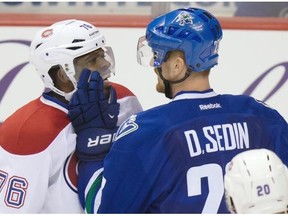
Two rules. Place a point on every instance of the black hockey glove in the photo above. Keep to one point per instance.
(93, 116)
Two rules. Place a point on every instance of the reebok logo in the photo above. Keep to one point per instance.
(210, 106)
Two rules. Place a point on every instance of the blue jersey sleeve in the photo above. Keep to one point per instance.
(89, 182)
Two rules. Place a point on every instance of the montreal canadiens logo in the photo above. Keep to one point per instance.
(71, 172)
(47, 33)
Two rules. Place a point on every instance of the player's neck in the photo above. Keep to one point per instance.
(59, 97)
(192, 83)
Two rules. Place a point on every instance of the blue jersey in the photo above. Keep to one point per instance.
(172, 158)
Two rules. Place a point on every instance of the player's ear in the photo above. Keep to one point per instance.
(63, 82)
(179, 64)
(61, 76)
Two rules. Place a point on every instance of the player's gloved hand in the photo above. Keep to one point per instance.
(93, 116)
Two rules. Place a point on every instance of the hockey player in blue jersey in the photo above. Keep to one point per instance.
(172, 158)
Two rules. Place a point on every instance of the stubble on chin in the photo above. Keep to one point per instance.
(160, 86)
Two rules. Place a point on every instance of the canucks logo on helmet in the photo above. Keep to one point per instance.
(183, 18)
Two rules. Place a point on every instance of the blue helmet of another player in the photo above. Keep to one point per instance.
(194, 31)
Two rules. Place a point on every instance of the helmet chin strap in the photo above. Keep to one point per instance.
(69, 95)
(167, 83)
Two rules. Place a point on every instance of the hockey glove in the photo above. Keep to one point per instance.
(93, 116)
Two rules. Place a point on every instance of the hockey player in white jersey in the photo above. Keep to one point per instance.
(38, 170)
(256, 182)
(172, 158)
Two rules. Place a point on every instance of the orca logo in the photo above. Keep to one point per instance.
(127, 127)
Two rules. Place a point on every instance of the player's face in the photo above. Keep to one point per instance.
(167, 72)
(94, 61)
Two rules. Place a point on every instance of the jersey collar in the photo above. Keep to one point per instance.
(195, 94)
(53, 102)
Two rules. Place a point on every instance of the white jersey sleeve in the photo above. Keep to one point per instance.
(34, 143)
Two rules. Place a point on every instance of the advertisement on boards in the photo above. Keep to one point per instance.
(251, 62)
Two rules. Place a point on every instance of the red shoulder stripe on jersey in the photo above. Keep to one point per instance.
(121, 90)
(32, 128)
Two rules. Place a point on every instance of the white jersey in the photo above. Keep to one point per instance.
(38, 168)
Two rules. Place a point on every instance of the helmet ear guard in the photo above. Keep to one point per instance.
(59, 44)
(256, 181)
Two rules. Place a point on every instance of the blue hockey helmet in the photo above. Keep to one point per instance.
(194, 31)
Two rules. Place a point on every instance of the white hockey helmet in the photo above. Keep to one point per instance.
(256, 181)
(62, 42)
